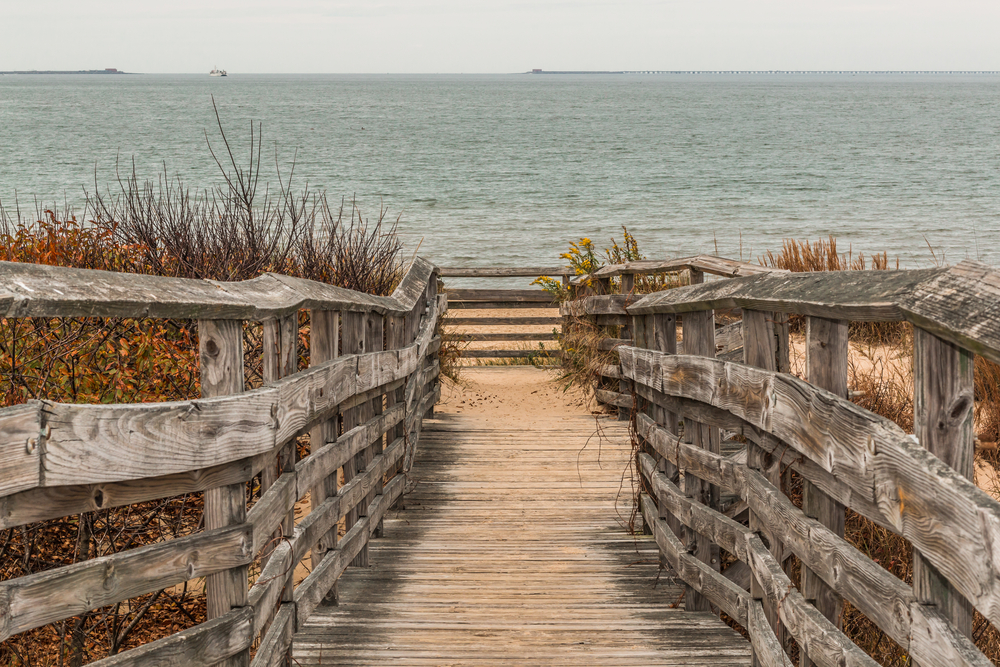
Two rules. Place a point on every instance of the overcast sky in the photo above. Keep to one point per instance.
(499, 36)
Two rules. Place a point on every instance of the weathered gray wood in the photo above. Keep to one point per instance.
(395, 338)
(611, 343)
(699, 338)
(509, 321)
(863, 450)
(35, 600)
(108, 443)
(760, 351)
(271, 510)
(374, 332)
(522, 295)
(505, 336)
(509, 354)
(280, 358)
(921, 630)
(210, 643)
(959, 305)
(50, 291)
(698, 576)
(943, 400)
(826, 367)
(276, 643)
(353, 336)
(767, 649)
(849, 295)
(608, 304)
(53, 502)
(220, 345)
(491, 305)
(719, 266)
(21, 443)
(311, 591)
(504, 272)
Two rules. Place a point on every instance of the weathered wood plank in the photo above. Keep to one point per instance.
(849, 295)
(504, 336)
(50, 596)
(921, 497)
(207, 644)
(505, 272)
(21, 443)
(220, 346)
(53, 502)
(509, 354)
(943, 398)
(50, 291)
(110, 443)
(719, 266)
(274, 645)
(496, 321)
(826, 367)
(523, 295)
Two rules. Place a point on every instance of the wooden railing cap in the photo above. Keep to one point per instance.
(29, 290)
(719, 266)
(960, 304)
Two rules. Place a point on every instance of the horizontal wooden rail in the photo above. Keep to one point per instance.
(719, 266)
(505, 272)
(30, 290)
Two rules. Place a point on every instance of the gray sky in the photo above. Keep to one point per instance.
(498, 36)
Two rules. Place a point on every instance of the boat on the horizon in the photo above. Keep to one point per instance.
(217, 72)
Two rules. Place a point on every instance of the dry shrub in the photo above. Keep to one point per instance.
(157, 228)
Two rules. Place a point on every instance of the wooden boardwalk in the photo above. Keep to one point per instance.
(512, 550)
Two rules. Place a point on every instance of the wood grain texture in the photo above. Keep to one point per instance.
(35, 600)
(505, 272)
(922, 498)
(21, 442)
(92, 444)
(201, 646)
(35, 290)
(220, 346)
(509, 552)
(849, 295)
(826, 367)
(719, 266)
(943, 398)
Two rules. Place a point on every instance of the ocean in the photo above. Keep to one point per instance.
(507, 169)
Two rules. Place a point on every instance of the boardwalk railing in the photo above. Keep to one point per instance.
(373, 375)
(600, 298)
(503, 299)
(919, 487)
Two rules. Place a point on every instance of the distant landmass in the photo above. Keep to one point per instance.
(109, 70)
(776, 71)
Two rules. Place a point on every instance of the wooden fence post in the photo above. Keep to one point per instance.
(665, 341)
(220, 347)
(373, 343)
(699, 339)
(323, 327)
(826, 367)
(942, 409)
(395, 338)
(432, 291)
(353, 334)
(760, 350)
(625, 332)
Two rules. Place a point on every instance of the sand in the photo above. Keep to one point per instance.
(514, 397)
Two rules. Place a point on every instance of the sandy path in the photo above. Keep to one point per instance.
(513, 397)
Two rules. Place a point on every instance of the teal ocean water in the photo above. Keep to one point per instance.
(506, 169)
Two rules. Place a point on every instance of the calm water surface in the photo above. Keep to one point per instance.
(507, 169)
